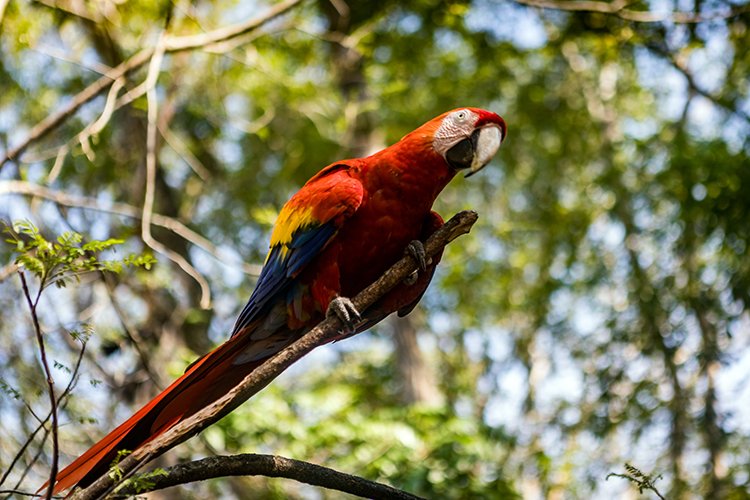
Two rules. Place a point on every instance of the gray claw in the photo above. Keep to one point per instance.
(411, 279)
(345, 311)
(416, 250)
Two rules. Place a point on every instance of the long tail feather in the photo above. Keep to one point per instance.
(205, 381)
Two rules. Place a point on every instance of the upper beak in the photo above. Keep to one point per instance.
(486, 142)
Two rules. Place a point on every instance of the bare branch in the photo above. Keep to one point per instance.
(31, 462)
(3, 5)
(323, 333)
(22, 494)
(52, 121)
(7, 270)
(681, 66)
(136, 340)
(151, 160)
(184, 152)
(172, 44)
(22, 450)
(78, 9)
(123, 209)
(50, 383)
(251, 464)
(619, 9)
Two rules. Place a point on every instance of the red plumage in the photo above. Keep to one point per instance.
(339, 233)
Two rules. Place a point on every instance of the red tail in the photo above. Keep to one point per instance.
(204, 382)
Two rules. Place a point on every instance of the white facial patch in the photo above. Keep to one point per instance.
(455, 127)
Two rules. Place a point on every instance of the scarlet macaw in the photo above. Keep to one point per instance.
(335, 236)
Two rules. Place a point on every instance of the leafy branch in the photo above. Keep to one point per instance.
(639, 478)
(57, 263)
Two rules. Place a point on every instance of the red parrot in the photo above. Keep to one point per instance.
(336, 235)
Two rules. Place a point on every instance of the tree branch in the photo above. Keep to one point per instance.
(619, 9)
(324, 332)
(172, 44)
(151, 165)
(251, 464)
(18, 493)
(728, 106)
(61, 402)
(123, 209)
(33, 303)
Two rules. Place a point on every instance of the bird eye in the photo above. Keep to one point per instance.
(461, 115)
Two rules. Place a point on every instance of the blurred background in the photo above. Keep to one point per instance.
(597, 314)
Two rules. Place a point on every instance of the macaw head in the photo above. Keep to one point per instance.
(468, 138)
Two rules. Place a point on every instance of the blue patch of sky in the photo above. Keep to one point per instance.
(733, 380)
(640, 129)
(240, 10)
(505, 406)
(670, 86)
(229, 153)
(508, 21)
(709, 64)
(705, 118)
(408, 24)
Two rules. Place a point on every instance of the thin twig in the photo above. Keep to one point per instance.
(50, 383)
(131, 332)
(31, 462)
(148, 202)
(173, 44)
(54, 120)
(22, 493)
(675, 62)
(96, 127)
(181, 149)
(74, 8)
(61, 403)
(251, 464)
(22, 450)
(260, 377)
(31, 410)
(60, 54)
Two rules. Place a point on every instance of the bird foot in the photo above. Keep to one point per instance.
(345, 311)
(416, 250)
(411, 279)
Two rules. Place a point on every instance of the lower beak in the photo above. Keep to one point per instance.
(486, 144)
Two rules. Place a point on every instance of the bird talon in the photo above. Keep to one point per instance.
(416, 249)
(343, 309)
(411, 279)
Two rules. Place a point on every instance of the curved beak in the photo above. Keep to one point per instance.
(486, 145)
(476, 151)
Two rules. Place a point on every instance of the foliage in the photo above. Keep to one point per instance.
(56, 263)
(114, 470)
(642, 480)
(137, 483)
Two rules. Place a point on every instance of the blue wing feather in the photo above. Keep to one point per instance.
(281, 269)
(305, 225)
